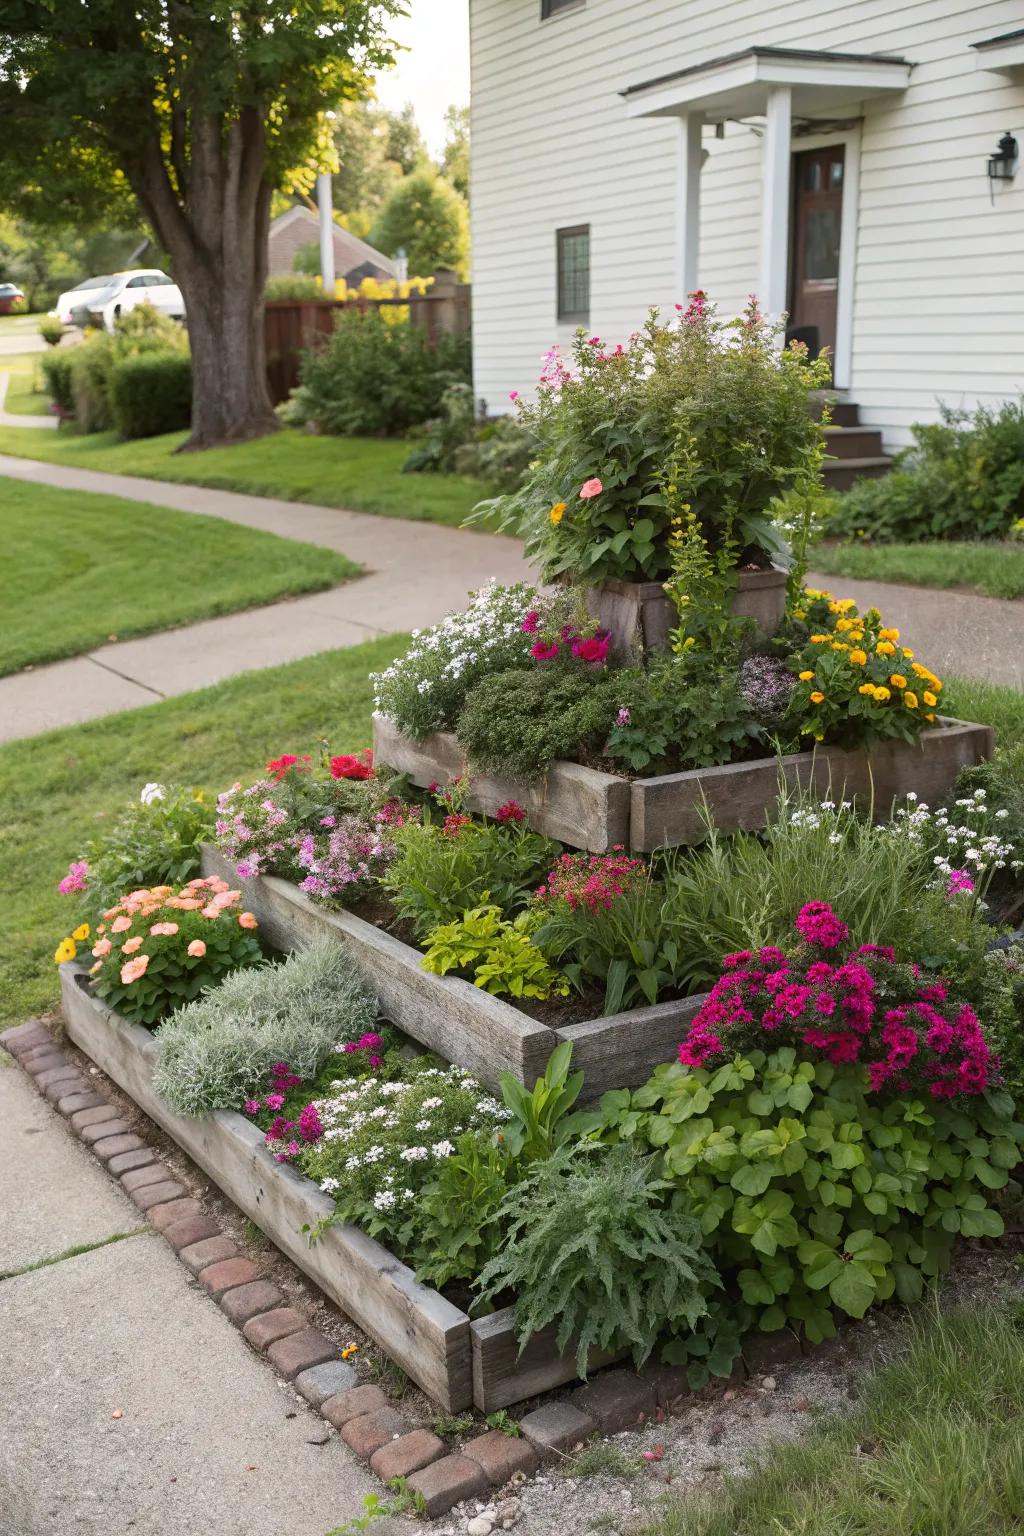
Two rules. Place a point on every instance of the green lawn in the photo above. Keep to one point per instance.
(58, 789)
(25, 393)
(79, 569)
(968, 699)
(360, 474)
(996, 569)
(936, 1449)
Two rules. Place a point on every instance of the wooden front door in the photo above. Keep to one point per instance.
(814, 263)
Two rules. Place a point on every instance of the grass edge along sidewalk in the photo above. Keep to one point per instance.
(354, 474)
(992, 569)
(125, 568)
(58, 789)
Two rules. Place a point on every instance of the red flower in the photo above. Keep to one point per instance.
(454, 824)
(349, 766)
(542, 651)
(278, 767)
(510, 811)
(595, 649)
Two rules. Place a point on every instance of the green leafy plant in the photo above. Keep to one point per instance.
(293, 286)
(593, 1245)
(504, 1423)
(682, 712)
(458, 1229)
(156, 840)
(540, 1120)
(51, 330)
(519, 722)
(498, 956)
(56, 367)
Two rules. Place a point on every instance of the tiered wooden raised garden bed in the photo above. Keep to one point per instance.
(594, 810)
(457, 1362)
(457, 1020)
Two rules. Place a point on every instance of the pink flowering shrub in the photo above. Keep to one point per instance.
(591, 881)
(561, 629)
(850, 1007)
(344, 859)
(158, 948)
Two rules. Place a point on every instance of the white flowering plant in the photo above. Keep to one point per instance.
(383, 1142)
(424, 690)
(967, 842)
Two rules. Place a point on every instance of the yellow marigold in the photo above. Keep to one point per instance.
(859, 658)
(839, 645)
(930, 719)
(820, 639)
(843, 625)
(817, 698)
(799, 613)
(929, 699)
(841, 605)
(884, 648)
(907, 651)
(882, 695)
(888, 634)
(898, 680)
(910, 699)
(866, 688)
(81, 933)
(557, 512)
(805, 677)
(856, 635)
(66, 950)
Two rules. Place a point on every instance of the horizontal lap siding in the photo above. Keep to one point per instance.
(939, 289)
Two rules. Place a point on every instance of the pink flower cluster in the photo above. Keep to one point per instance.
(858, 1008)
(369, 1042)
(349, 855)
(75, 878)
(511, 811)
(592, 881)
(591, 648)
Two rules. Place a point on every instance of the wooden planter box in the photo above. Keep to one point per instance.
(456, 1362)
(641, 618)
(460, 1022)
(668, 810)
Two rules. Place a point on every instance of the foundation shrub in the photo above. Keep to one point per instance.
(151, 393)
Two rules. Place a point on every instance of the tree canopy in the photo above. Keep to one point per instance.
(425, 217)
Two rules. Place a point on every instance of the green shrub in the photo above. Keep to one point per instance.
(497, 956)
(155, 841)
(446, 434)
(501, 454)
(151, 393)
(679, 717)
(593, 1245)
(376, 379)
(814, 1195)
(217, 1051)
(56, 368)
(518, 723)
(142, 330)
(51, 330)
(294, 285)
(458, 1228)
(963, 478)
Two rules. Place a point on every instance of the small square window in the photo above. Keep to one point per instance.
(556, 7)
(574, 273)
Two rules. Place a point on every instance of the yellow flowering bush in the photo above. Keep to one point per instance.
(856, 681)
(160, 946)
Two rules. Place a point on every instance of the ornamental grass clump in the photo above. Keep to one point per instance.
(159, 948)
(217, 1052)
(845, 1006)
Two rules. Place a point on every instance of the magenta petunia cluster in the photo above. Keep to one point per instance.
(858, 1007)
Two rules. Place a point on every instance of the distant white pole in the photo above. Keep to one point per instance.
(323, 197)
(401, 264)
(688, 205)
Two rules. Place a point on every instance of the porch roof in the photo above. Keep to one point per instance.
(1004, 53)
(737, 84)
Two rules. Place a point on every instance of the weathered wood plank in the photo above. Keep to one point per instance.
(457, 1020)
(502, 1376)
(579, 806)
(669, 810)
(622, 1051)
(419, 1329)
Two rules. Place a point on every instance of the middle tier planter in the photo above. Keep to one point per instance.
(460, 1022)
(589, 809)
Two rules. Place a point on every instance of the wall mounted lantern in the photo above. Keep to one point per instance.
(1002, 166)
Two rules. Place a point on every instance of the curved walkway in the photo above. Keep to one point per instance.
(416, 573)
(8, 419)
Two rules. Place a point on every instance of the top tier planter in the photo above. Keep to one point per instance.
(641, 618)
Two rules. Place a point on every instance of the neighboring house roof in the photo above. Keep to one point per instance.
(300, 226)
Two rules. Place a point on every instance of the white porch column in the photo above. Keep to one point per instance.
(323, 197)
(688, 205)
(776, 156)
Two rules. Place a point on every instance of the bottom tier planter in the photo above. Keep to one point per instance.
(452, 1017)
(454, 1361)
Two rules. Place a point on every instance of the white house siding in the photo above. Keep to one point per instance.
(939, 283)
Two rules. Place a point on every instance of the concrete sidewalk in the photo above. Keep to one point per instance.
(208, 1440)
(416, 573)
(12, 418)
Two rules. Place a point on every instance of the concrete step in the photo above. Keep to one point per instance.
(840, 474)
(853, 442)
(845, 413)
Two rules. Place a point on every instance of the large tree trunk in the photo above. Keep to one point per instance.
(216, 235)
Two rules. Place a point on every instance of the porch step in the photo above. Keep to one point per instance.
(854, 442)
(840, 473)
(845, 413)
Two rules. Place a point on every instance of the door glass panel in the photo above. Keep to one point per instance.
(812, 176)
(835, 173)
(822, 258)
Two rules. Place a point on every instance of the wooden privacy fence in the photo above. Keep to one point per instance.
(293, 326)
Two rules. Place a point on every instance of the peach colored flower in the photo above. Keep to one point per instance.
(246, 920)
(226, 898)
(134, 970)
(102, 947)
(211, 911)
(148, 908)
(591, 488)
(167, 928)
(94, 968)
(189, 904)
(131, 945)
(120, 924)
(197, 949)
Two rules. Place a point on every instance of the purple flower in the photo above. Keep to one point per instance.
(766, 686)
(253, 1106)
(623, 717)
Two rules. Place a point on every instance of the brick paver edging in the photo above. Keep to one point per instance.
(615, 1400)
